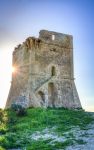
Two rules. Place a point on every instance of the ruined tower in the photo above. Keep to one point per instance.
(44, 75)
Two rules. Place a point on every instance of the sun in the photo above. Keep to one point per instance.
(13, 69)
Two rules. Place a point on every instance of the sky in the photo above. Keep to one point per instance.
(20, 19)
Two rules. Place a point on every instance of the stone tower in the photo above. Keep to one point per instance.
(44, 75)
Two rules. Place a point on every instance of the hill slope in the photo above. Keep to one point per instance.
(47, 129)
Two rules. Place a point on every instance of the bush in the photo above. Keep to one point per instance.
(12, 120)
(1, 115)
(19, 109)
(1, 148)
(16, 107)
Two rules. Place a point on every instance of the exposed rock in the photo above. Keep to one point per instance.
(22, 100)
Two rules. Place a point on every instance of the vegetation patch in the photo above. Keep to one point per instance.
(52, 128)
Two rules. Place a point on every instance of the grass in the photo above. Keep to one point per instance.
(15, 131)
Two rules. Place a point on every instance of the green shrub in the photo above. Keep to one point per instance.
(12, 120)
(19, 109)
(1, 148)
(1, 115)
(16, 107)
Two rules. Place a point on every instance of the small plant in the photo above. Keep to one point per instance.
(15, 107)
(12, 120)
(19, 109)
(1, 115)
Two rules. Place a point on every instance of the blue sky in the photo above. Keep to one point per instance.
(22, 18)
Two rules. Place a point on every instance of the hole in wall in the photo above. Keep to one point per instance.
(53, 37)
(53, 71)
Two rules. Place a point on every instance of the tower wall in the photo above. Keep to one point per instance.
(44, 72)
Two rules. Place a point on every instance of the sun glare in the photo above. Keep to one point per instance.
(13, 69)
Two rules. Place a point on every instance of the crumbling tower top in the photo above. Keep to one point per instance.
(64, 40)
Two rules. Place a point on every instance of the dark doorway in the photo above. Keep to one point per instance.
(51, 93)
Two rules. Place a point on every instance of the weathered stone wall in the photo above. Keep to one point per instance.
(44, 72)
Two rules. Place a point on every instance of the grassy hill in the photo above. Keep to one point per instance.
(45, 129)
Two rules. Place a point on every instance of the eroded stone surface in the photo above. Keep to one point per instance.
(44, 72)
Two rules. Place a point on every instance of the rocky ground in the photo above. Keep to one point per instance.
(84, 137)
